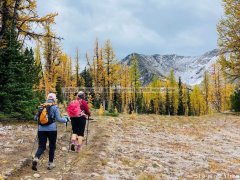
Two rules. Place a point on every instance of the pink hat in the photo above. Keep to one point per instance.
(51, 96)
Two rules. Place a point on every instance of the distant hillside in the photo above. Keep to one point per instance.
(190, 68)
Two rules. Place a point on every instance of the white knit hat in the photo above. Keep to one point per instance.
(51, 96)
(80, 93)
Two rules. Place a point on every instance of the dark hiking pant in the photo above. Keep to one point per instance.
(78, 125)
(42, 141)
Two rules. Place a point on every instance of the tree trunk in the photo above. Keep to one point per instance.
(5, 19)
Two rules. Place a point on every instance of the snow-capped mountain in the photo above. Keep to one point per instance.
(189, 68)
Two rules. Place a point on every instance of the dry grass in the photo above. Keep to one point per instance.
(112, 171)
(104, 162)
(215, 166)
(145, 176)
(100, 178)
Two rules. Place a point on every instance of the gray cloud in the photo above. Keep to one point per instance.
(149, 27)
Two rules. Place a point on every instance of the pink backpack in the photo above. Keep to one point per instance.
(74, 109)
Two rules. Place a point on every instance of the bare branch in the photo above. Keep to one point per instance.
(37, 35)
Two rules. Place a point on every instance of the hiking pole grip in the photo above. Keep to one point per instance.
(67, 121)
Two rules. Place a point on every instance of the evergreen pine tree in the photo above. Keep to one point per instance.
(59, 90)
(18, 74)
(172, 102)
(235, 100)
(189, 104)
(151, 106)
(167, 102)
(117, 101)
(140, 103)
(87, 77)
(161, 107)
(180, 98)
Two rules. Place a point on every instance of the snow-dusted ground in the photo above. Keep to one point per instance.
(175, 147)
(140, 147)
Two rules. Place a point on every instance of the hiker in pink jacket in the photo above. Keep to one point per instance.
(79, 123)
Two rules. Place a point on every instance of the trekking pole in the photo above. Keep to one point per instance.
(65, 153)
(87, 130)
(35, 140)
(69, 144)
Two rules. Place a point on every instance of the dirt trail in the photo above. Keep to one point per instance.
(69, 165)
(144, 147)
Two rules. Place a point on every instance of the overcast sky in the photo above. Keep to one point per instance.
(184, 27)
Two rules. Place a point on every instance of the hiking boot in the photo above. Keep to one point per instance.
(34, 164)
(78, 148)
(72, 147)
(51, 165)
(73, 144)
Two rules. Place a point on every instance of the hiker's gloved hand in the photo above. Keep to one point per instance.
(67, 118)
(83, 114)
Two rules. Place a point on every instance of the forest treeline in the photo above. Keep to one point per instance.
(27, 74)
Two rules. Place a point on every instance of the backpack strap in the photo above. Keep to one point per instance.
(48, 107)
(80, 102)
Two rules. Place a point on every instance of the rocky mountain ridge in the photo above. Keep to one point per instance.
(190, 68)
